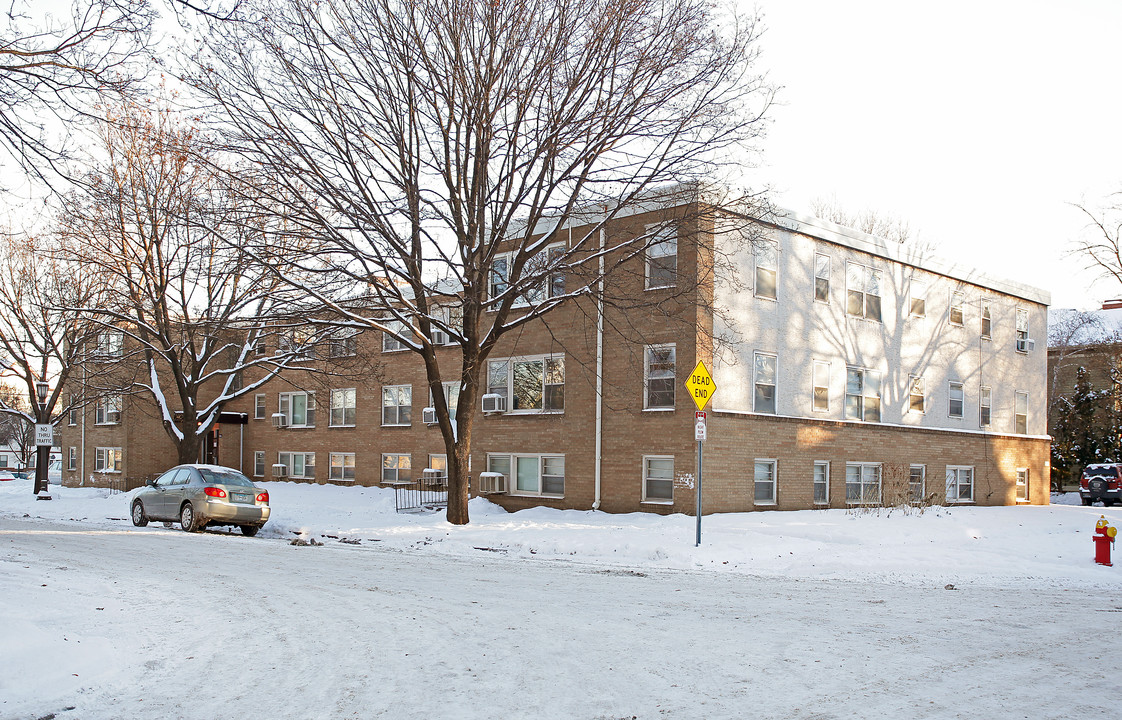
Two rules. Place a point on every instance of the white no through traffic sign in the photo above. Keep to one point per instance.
(44, 435)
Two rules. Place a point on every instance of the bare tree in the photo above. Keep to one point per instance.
(441, 149)
(885, 225)
(165, 230)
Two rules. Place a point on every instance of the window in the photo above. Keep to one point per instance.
(342, 467)
(531, 385)
(919, 298)
(658, 479)
(396, 468)
(987, 320)
(298, 408)
(110, 344)
(259, 463)
(862, 291)
(917, 476)
(297, 341)
(342, 408)
(72, 414)
(439, 462)
(343, 344)
(300, 465)
(821, 483)
(821, 401)
(451, 398)
(658, 377)
(259, 406)
(917, 394)
(767, 268)
(822, 277)
(985, 400)
(765, 383)
(107, 459)
(1022, 484)
(1020, 413)
(862, 394)
(397, 403)
(390, 341)
(107, 410)
(958, 302)
(960, 484)
(1022, 330)
(532, 474)
(71, 459)
(551, 285)
(765, 482)
(662, 258)
(500, 276)
(956, 400)
(862, 483)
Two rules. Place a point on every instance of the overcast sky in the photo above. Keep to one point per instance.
(977, 122)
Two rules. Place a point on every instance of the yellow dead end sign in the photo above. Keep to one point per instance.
(701, 385)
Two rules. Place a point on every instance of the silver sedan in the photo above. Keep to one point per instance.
(202, 495)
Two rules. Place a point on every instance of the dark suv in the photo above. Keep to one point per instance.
(1101, 482)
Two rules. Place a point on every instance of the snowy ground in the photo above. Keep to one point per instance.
(554, 614)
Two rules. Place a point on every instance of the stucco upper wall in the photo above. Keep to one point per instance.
(799, 330)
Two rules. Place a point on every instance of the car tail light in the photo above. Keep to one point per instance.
(215, 492)
(262, 497)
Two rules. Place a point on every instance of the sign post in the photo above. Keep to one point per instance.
(701, 387)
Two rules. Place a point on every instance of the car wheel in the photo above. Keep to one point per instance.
(138, 517)
(250, 530)
(187, 519)
(1107, 503)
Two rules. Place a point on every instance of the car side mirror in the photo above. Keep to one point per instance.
(151, 482)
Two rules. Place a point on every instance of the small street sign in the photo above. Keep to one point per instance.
(699, 430)
(701, 385)
(44, 435)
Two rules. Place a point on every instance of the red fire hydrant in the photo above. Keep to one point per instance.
(1104, 538)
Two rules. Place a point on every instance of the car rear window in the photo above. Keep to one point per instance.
(224, 478)
(1107, 472)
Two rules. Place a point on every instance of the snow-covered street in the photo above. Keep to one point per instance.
(527, 615)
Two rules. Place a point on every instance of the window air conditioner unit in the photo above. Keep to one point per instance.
(1025, 345)
(492, 483)
(280, 420)
(439, 337)
(428, 416)
(494, 404)
(433, 476)
(280, 470)
(1031, 345)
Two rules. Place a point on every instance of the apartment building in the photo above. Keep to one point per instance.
(849, 371)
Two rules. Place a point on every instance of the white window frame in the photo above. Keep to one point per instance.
(107, 410)
(863, 396)
(439, 461)
(985, 406)
(72, 412)
(957, 308)
(821, 289)
(647, 350)
(766, 258)
(339, 407)
(869, 277)
(916, 382)
(1020, 401)
(259, 406)
(917, 298)
(108, 459)
(761, 383)
(394, 396)
(916, 493)
(863, 484)
(258, 463)
(1022, 331)
(451, 397)
(663, 245)
(954, 386)
(647, 497)
(286, 405)
(343, 343)
(390, 342)
(338, 464)
(770, 482)
(397, 467)
(956, 484)
(540, 462)
(552, 393)
(1021, 485)
(986, 321)
(824, 466)
(110, 344)
(288, 458)
(818, 382)
(71, 459)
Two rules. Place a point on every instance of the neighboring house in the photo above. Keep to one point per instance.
(849, 371)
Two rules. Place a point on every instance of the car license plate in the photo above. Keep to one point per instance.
(238, 497)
